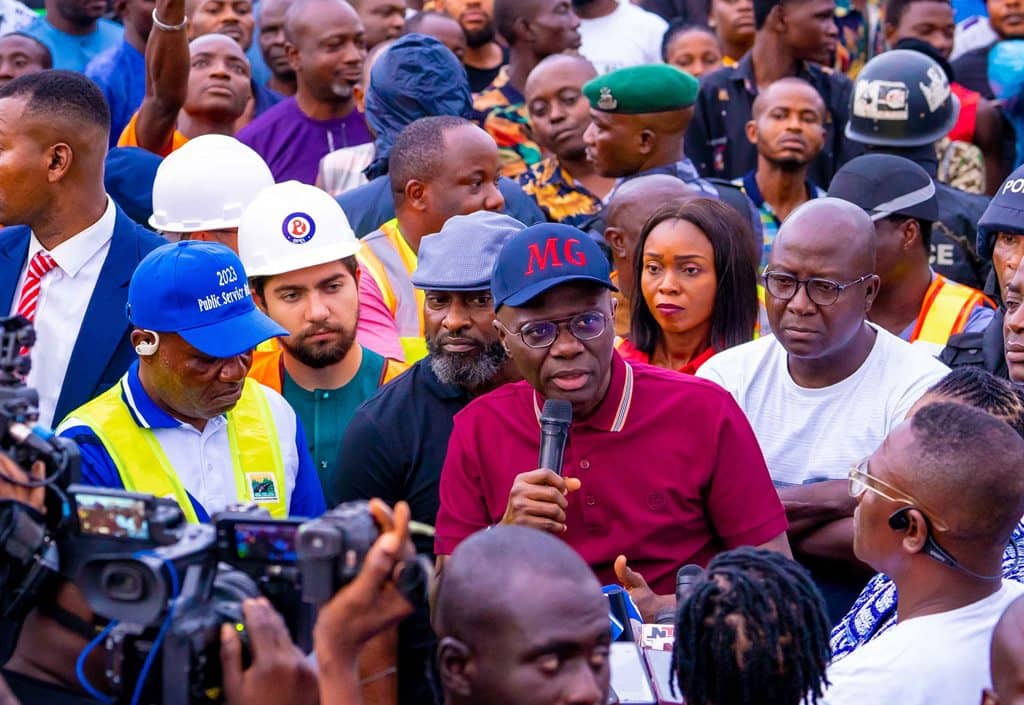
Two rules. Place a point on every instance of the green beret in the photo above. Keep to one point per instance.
(651, 88)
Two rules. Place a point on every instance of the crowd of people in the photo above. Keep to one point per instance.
(291, 254)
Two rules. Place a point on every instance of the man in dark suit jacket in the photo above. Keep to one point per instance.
(68, 252)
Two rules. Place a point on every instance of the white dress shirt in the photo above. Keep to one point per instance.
(64, 295)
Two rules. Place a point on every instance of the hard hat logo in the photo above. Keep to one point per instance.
(298, 228)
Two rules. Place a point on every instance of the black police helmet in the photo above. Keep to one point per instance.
(1005, 212)
(901, 99)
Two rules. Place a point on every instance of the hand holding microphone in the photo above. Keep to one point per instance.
(538, 498)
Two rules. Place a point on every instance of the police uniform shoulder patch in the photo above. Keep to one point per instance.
(298, 227)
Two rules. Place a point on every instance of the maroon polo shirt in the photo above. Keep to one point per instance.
(671, 472)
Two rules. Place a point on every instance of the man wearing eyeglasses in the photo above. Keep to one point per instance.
(659, 467)
(936, 506)
(829, 386)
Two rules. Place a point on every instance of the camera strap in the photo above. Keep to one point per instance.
(70, 621)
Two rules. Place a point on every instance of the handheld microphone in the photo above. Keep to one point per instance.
(555, 420)
(685, 579)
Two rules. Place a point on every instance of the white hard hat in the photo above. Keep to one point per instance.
(292, 226)
(206, 185)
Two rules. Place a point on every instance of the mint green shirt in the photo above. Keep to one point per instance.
(326, 413)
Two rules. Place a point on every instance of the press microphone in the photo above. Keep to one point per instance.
(685, 579)
(555, 420)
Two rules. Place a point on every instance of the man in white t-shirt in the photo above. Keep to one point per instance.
(827, 389)
(616, 34)
(936, 505)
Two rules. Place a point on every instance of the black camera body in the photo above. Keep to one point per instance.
(331, 549)
(28, 551)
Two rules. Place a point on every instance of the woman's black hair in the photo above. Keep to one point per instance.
(753, 631)
(734, 313)
(678, 27)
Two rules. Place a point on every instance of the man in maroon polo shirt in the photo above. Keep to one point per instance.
(661, 467)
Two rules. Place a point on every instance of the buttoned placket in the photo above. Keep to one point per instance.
(207, 496)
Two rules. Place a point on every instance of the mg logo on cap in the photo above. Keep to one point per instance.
(298, 228)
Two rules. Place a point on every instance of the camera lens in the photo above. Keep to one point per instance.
(123, 583)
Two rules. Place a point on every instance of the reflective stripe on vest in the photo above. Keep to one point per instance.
(144, 467)
(391, 262)
(947, 307)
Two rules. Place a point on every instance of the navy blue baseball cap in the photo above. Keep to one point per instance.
(199, 291)
(1005, 212)
(542, 257)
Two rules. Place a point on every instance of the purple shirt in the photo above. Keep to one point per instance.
(292, 143)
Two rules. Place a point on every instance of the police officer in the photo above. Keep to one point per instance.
(902, 105)
(914, 302)
(1001, 238)
(184, 421)
(202, 189)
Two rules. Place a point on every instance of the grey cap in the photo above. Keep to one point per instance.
(461, 256)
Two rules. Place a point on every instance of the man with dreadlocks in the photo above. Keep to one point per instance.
(936, 505)
(753, 631)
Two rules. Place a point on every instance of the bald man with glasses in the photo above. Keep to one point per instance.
(827, 388)
(660, 468)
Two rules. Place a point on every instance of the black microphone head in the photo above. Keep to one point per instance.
(685, 578)
(557, 411)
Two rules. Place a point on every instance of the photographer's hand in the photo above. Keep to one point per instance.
(279, 672)
(364, 608)
(35, 497)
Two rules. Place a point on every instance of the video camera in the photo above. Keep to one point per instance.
(167, 587)
(27, 551)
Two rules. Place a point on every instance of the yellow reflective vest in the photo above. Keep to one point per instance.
(387, 257)
(145, 468)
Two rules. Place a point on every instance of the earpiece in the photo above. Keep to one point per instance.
(898, 520)
(146, 348)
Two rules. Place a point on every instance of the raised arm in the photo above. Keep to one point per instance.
(167, 70)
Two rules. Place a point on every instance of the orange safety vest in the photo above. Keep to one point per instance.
(268, 367)
(387, 257)
(946, 308)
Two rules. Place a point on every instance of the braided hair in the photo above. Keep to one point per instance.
(981, 389)
(753, 631)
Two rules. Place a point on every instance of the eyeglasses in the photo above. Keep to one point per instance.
(861, 481)
(823, 292)
(543, 334)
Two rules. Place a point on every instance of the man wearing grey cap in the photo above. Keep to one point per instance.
(914, 302)
(396, 442)
(395, 445)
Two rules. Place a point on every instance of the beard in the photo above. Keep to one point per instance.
(320, 356)
(466, 370)
(480, 37)
(789, 165)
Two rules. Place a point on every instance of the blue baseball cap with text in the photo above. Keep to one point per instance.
(199, 291)
(542, 257)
